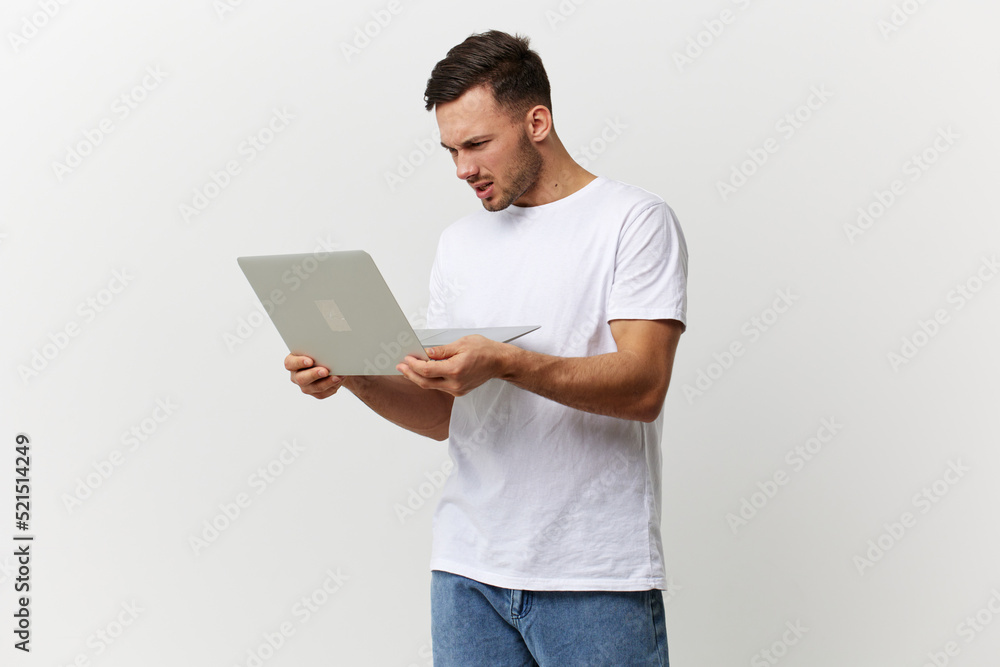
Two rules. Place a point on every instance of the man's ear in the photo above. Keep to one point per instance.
(538, 122)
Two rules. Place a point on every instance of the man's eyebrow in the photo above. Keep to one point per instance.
(471, 140)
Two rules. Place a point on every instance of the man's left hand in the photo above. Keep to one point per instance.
(459, 367)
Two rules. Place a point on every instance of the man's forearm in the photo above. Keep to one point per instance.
(617, 384)
(629, 384)
(424, 411)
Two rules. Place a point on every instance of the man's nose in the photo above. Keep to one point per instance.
(465, 167)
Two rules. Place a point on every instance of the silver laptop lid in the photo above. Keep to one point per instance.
(334, 307)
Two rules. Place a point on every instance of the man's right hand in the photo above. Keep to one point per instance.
(313, 380)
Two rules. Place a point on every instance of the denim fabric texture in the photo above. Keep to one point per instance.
(477, 625)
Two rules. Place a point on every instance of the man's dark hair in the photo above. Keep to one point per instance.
(503, 62)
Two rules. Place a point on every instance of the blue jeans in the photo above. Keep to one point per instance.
(477, 625)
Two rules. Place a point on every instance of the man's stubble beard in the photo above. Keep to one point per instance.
(527, 170)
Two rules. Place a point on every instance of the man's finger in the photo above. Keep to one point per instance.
(428, 369)
(295, 362)
(329, 384)
(442, 351)
(422, 377)
(407, 370)
(309, 375)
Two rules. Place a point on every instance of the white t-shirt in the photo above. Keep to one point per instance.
(543, 496)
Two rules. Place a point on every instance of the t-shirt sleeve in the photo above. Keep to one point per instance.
(650, 281)
(436, 315)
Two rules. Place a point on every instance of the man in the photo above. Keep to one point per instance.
(547, 546)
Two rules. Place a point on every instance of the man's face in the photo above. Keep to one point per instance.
(492, 150)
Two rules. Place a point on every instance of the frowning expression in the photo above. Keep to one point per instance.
(491, 149)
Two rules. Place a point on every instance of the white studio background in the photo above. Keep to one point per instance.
(830, 447)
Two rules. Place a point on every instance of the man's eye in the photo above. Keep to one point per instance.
(477, 144)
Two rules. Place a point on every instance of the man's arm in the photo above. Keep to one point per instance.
(630, 383)
(393, 397)
(404, 404)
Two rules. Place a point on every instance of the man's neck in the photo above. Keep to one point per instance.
(561, 176)
(555, 183)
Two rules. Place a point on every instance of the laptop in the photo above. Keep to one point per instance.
(336, 308)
